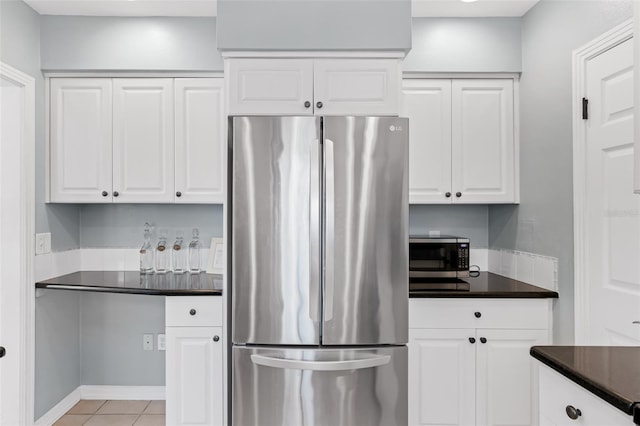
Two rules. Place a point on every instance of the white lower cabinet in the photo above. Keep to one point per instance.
(480, 372)
(194, 361)
(558, 395)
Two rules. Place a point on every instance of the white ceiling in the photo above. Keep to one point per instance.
(420, 8)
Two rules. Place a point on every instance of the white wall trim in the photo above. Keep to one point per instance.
(358, 54)
(580, 58)
(59, 410)
(122, 392)
(133, 74)
(26, 179)
(481, 75)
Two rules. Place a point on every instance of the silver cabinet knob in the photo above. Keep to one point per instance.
(307, 104)
(216, 338)
(116, 193)
(318, 104)
(192, 312)
(178, 194)
(105, 193)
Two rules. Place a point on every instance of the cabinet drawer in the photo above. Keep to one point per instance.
(193, 311)
(479, 313)
(557, 392)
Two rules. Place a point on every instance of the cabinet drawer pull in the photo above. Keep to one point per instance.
(472, 340)
(105, 193)
(307, 104)
(319, 105)
(477, 314)
(573, 412)
(458, 194)
(483, 340)
(447, 194)
(116, 193)
(178, 194)
(192, 312)
(216, 338)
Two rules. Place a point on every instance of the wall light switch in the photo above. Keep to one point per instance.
(43, 243)
(162, 342)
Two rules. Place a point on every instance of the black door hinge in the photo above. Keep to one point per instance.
(585, 108)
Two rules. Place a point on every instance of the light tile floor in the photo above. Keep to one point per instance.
(114, 413)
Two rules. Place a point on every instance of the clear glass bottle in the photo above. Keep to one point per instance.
(179, 254)
(146, 252)
(163, 254)
(194, 253)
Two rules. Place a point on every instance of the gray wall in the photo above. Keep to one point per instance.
(111, 332)
(465, 45)
(20, 48)
(314, 25)
(543, 223)
(465, 221)
(123, 43)
(58, 360)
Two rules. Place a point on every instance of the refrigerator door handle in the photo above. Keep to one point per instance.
(314, 230)
(295, 364)
(329, 235)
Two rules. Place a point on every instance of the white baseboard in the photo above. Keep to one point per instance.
(59, 410)
(122, 392)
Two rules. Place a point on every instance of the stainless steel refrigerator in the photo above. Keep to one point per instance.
(319, 270)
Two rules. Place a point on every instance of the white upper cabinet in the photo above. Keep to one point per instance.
(200, 140)
(356, 86)
(80, 134)
(427, 104)
(462, 145)
(270, 86)
(266, 86)
(483, 141)
(137, 140)
(143, 140)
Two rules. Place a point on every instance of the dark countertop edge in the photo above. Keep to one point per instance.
(613, 398)
(482, 295)
(124, 290)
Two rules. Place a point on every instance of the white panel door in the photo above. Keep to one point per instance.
(356, 86)
(612, 222)
(442, 377)
(427, 103)
(143, 140)
(80, 140)
(506, 378)
(200, 140)
(270, 86)
(483, 141)
(194, 376)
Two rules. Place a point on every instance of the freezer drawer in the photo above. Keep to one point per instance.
(291, 386)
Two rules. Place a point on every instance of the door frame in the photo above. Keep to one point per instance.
(580, 57)
(26, 222)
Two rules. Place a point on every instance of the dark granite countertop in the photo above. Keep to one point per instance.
(610, 372)
(134, 282)
(485, 285)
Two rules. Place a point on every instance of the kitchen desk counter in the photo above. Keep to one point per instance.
(133, 282)
(485, 285)
(610, 372)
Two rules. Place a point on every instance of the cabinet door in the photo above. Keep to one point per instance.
(441, 377)
(143, 140)
(507, 384)
(80, 140)
(356, 86)
(200, 140)
(270, 86)
(483, 141)
(427, 103)
(194, 376)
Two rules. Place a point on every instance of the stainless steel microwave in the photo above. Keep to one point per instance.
(444, 256)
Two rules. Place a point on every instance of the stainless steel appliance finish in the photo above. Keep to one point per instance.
(445, 256)
(319, 270)
(355, 387)
(276, 230)
(366, 231)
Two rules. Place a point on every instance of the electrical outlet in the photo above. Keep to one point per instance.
(43, 243)
(147, 342)
(162, 342)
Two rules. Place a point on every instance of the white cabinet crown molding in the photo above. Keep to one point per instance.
(312, 54)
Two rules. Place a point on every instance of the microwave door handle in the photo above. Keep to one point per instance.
(329, 224)
(314, 230)
(295, 364)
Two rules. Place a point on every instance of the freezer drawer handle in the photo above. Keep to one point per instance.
(295, 364)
